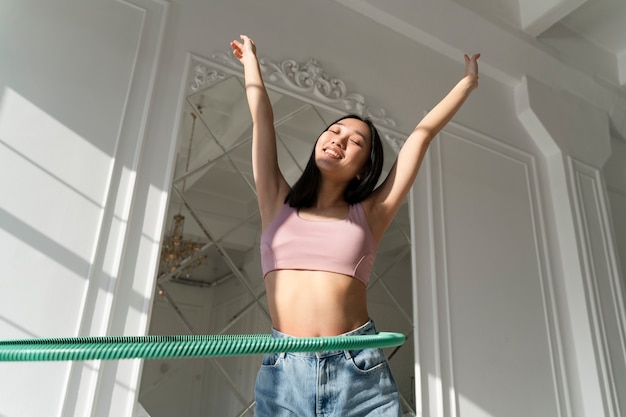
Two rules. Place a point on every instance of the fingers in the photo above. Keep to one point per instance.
(471, 63)
(246, 39)
(237, 49)
(471, 67)
(243, 48)
(247, 45)
(239, 45)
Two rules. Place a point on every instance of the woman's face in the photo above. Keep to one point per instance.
(343, 150)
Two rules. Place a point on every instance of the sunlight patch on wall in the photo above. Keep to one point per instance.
(51, 145)
(468, 408)
(53, 184)
(48, 170)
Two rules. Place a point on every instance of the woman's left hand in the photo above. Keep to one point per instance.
(471, 68)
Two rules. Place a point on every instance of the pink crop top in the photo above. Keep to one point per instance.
(343, 246)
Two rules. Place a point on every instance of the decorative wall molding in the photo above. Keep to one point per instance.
(203, 76)
(441, 281)
(88, 383)
(308, 81)
(586, 207)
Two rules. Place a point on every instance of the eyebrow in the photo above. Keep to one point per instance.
(355, 131)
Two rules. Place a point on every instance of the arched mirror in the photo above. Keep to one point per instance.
(210, 279)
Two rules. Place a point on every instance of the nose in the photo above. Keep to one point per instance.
(339, 142)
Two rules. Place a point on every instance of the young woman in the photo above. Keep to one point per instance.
(318, 244)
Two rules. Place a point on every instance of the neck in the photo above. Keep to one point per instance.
(330, 196)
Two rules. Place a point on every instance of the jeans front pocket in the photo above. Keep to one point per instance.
(367, 360)
(272, 360)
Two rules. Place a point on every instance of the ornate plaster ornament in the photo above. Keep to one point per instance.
(204, 75)
(306, 80)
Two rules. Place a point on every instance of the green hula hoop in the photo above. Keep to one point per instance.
(181, 346)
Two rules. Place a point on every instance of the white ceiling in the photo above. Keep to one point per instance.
(603, 22)
(589, 35)
(577, 31)
(574, 45)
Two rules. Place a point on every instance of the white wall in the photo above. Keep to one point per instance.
(615, 173)
(519, 306)
(74, 93)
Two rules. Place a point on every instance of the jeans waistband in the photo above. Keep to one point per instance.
(368, 328)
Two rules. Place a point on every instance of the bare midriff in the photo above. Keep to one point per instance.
(315, 303)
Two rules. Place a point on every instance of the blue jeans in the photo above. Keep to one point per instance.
(355, 383)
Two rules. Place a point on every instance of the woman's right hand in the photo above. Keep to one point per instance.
(244, 50)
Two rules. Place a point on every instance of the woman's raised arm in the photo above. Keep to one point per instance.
(270, 184)
(386, 200)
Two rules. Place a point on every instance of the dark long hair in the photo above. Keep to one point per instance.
(304, 191)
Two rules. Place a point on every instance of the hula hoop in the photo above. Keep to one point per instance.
(181, 346)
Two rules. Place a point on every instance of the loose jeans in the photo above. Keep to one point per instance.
(355, 383)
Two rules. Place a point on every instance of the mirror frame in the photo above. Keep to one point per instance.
(307, 82)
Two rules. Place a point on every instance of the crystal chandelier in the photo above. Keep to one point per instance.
(176, 249)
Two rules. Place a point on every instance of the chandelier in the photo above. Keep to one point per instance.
(176, 249)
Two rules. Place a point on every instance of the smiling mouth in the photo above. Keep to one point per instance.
(332, 153)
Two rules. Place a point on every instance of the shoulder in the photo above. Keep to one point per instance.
(367, 206)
